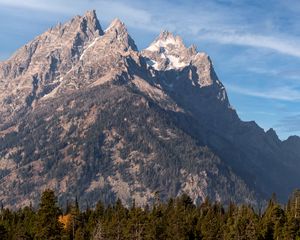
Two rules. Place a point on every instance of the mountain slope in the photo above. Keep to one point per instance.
(259, 157)
(87, 114)
(91, 147)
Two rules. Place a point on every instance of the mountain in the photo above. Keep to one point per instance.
(84, 112)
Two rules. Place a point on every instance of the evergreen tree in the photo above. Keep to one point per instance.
(135, 226)
(80, 234)
(178, 219)
(47, 224)
(212, 221)
(98, 233)
(272, 221)
(292, 225)
(155, 229)
(3, 232)
(242, 223)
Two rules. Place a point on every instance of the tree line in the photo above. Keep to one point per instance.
(176, 219)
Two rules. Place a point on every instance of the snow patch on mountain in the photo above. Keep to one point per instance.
(176, 62)
(88, 47)
(162, 43)
(167, 52)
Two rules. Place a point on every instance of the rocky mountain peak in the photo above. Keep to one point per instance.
(165, 38)
(271, 133)
(86, 27)
(165, 34)
(117, 32)
(183, 65)
(116, 24)
(38, 67)
(165, 42)
(167, 52)
(64, 41)
(81, 112)
(293, 141)
(193, 50)
(91, 22)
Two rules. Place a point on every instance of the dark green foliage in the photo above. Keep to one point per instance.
(177, 219)
(3, 232)
(47, 224)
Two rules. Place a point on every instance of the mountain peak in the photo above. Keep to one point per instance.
(166, 40)
(91, 14)
(118, 31)
(116, 24)
(165, 34)
(92, 21)
(87, 25)
(293, 140)
(168, 52)
(272, 133)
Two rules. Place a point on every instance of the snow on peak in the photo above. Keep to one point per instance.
(167, 52)
(176, 62)
(165, 40)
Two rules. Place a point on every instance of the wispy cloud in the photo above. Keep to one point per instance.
(284, 93)
(289, 124)
(285, 45)
(36, 5)
(225, 25)
(253, 43)
(107, 10)
(282, 73)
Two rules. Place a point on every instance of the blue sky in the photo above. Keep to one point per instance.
(255, 45)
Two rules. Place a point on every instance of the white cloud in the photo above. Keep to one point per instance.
(107, 10)
(280, 93)
(282, 73)
(225, 25)
(36, 5)
(285, 45)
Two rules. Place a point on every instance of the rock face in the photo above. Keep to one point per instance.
(38, 68)
(84, 112)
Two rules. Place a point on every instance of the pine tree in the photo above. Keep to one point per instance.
(47, 225)
(3, 232)
(135, 226)
(155, 229)
(293, 207)
(212, 221)
(80, 234)
(292, 225)
(98, 232)
(273, 220)
(74, 220)
(242, 223)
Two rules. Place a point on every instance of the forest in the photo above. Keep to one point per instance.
(176, 219)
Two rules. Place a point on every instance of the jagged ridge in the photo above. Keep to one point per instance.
(84, 112)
